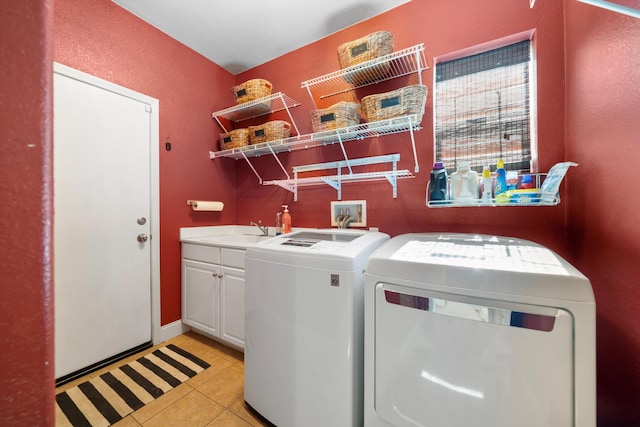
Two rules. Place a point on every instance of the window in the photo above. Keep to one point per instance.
(483, 108)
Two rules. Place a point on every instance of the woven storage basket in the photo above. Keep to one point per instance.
(251, 90)
(406, 101)
(234, 139)
(269, 131)
(365, 49)
(337, 116)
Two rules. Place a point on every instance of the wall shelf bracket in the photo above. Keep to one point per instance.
(252, 168)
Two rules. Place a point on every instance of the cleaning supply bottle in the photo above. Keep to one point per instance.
(286, 220)
(438, 184)
(527, 182)
(501, 179)
(464, 184)
(486, 184)
(278, 223)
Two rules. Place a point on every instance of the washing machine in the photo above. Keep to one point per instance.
(474, 330)
(304, 327)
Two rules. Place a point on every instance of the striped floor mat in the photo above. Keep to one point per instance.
(105, 400)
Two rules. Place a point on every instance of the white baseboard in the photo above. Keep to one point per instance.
(170, 330)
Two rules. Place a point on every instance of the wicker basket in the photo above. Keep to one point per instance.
(365, 49)
(234, 139)
(251, 90)
(269, 131)
(337, 116)
(406, 101)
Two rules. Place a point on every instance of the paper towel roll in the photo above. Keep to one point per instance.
(203, 205)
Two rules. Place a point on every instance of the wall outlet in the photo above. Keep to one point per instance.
(355, 209)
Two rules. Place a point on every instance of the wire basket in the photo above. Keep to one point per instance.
(337, 116)
(406, 101)
(269, 131)
(365, 49)
(234, 139)
(251, 90)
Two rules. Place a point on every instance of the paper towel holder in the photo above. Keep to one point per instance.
(204, 205)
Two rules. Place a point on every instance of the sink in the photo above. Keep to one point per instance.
(235, 238)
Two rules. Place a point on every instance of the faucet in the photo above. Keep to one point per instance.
(345, 220)
(263, 228)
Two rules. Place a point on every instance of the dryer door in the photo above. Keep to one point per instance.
(445, 360)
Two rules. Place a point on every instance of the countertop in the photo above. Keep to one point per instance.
(232, 236)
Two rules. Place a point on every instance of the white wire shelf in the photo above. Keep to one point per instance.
(258, 107)
(550, 200)
(511, 199)
(396, 64)
(357, 132)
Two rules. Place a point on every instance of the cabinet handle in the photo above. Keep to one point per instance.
(220, 275)
(215, 274)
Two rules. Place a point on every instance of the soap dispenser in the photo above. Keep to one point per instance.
(286, 220)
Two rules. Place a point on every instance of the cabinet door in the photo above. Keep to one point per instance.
(200, 290)
(232, 305)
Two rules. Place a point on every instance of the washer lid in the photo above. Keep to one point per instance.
(319, 248)
(307, 239)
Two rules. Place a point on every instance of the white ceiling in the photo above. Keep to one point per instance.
(241, 34)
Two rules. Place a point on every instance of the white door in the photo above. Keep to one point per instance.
(102, 264)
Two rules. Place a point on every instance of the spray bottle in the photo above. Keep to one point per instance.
(286, 220)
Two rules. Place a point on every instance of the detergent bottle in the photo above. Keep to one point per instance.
(286, 220)
(501, 179)
(438, 184)
(464, 184)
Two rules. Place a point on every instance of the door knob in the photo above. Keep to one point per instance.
(142, 238)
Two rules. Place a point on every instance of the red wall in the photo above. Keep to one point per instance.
(444, 27)
(599, 232)
(102, 39)
(603, 135)
(26, 292)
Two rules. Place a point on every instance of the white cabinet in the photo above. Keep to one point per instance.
(200, 291)
(213, 291)
(232, 305)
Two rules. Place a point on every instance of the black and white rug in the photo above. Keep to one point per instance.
(108, 398)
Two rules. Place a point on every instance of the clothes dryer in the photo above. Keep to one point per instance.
(472, 330)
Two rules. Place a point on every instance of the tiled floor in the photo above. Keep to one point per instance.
(212, 398)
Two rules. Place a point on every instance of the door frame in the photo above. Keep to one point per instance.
(154, 179)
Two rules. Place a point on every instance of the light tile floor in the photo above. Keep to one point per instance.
(213, 398)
